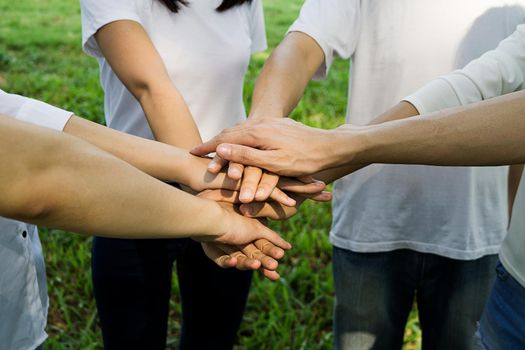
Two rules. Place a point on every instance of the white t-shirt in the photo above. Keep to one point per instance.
(23, 289)
(396, 46)
(206, 54)
(497, 72)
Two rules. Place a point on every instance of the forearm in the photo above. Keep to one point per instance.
(162, 161)
(60, 181)
(169, 117)
(135, 60)
(400, 111)
(285, 75)
(486, 133)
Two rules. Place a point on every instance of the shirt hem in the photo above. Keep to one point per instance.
(421, 247)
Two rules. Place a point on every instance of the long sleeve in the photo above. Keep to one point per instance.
(495, 73)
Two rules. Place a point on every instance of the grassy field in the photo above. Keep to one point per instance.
(40, 56)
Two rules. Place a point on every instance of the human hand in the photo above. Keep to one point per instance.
(255, 184)
(231, 228)
(280, 145)
(278, 211)
(260, 254)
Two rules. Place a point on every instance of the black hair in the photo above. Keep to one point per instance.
(175, 5)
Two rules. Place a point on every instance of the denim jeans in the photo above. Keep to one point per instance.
(502, 326)
(132, 285)
(375, 293)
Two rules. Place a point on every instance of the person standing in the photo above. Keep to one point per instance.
(171, 70)
(400, 232)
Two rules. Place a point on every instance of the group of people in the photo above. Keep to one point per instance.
(172, 72)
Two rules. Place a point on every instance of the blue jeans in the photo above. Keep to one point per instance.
(502, 326)
(132, 286)
(375, 293)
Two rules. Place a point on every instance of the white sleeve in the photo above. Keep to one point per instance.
(333, 24)
(495, 73)
(33, 111)
(257, 27)
(97, 13)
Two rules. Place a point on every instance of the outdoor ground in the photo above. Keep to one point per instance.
(41, 57)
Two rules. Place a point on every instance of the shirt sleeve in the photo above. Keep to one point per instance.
(97, 13)
(497, 72)
(334, 25)
(257, 27)
(33, 111)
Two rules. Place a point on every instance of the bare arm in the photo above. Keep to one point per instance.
(485, 133)
(285, 75)
(132, 56)
(60, 181)
(162, 161)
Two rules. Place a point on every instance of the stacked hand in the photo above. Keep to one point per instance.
(254, 193)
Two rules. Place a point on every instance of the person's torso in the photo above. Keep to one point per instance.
(456, 212)
(23, 290)
(206, 54)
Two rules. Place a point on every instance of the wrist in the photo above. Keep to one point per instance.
(215, 224)
(348, 145)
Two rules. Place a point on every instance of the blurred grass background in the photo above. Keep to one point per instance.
(41, 57)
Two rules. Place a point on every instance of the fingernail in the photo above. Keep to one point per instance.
(212, 165)
(224, 151)
(260, 193)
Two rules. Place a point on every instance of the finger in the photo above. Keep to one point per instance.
(250, 181)
(323, 196)
(235, 171)
(244, 262)
(293, 185)
(306, 179)
(272, 275)
(216, 164)
(251, 251)
(220, 196)
(272, 210)
(269, 249)
(281, 197)
(268, 182)
(248, 156)
(235, 135)
(265, 233)
(219, 257)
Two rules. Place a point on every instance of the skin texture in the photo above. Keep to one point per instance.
(485, 133)
(279, 88)
(50, 168)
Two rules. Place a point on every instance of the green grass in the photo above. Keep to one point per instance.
(40, 56)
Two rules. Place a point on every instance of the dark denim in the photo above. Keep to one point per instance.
(375, 293)
(502, 326)
(132, 285)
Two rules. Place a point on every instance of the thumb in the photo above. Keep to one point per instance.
(246, 155)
